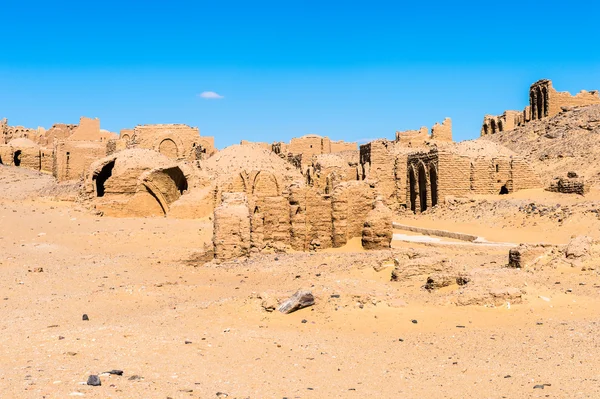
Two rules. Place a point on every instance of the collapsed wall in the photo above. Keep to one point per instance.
(285, 211)
(377, 232)
(136, 183)
(231, 233)
(572, 184)
(175, 141)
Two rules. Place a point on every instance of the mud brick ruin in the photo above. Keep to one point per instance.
(572, 184)
(464, 169)
(544, 101)
(309, 194)
(176, 141)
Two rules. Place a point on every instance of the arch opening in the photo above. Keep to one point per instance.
(102, 177)
(413, 190)
(17, 158)
(545, 100)
(434, 185)
(493, 126)
(503, 190)
(168, 148)
(422, 188)
(539, 104)
(178, 178)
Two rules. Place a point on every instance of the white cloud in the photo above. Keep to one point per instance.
(210, 95)
(365, 140)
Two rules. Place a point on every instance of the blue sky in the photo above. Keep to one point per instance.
(347, 70)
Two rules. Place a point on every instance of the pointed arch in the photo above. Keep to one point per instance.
(412, 188)
(433, 179)
(422, 181)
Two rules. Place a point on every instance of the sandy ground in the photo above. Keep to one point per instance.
(146, 297)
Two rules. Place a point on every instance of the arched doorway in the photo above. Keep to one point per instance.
(493, 126)
(413, 189)
(434, 185)
(540, 104)
(545, 100)
(485, 129)
(168, 148)
(500, 127)
(17, 158)
(166, 186)
(422, 188)
(178, 178)
(503, 190)
(102, 177)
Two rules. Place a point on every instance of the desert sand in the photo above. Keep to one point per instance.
(179, 328)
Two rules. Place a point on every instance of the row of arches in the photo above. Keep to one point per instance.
(492, 127)
(260, 184)
(423, 186)
(538, 100)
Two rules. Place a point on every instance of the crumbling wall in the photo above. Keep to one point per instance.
(340, 146)
(400, 176)
(443, 131)
(523, 175)
(231, 234)
(490, 175)
(46, 160)
(309, 145)
(350, 204)
(58, 131)
(310, 215)
(176, 141)
(378, 229)
(545, 101)
(427, 179)
(29, 157)
(270, 223)
(73, 158)
(21, 152)
(507, 121)
(6, 154)
(301, 150)
(450, 171)
(328, 170)
(88, 130)
(9, 133)
(572, 184)
(377, 161)
(412, 138)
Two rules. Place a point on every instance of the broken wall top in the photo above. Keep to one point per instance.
(235, 159)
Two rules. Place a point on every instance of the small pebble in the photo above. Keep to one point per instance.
(414, 321)
(85, 317)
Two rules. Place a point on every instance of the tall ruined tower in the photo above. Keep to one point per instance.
(539, 98)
